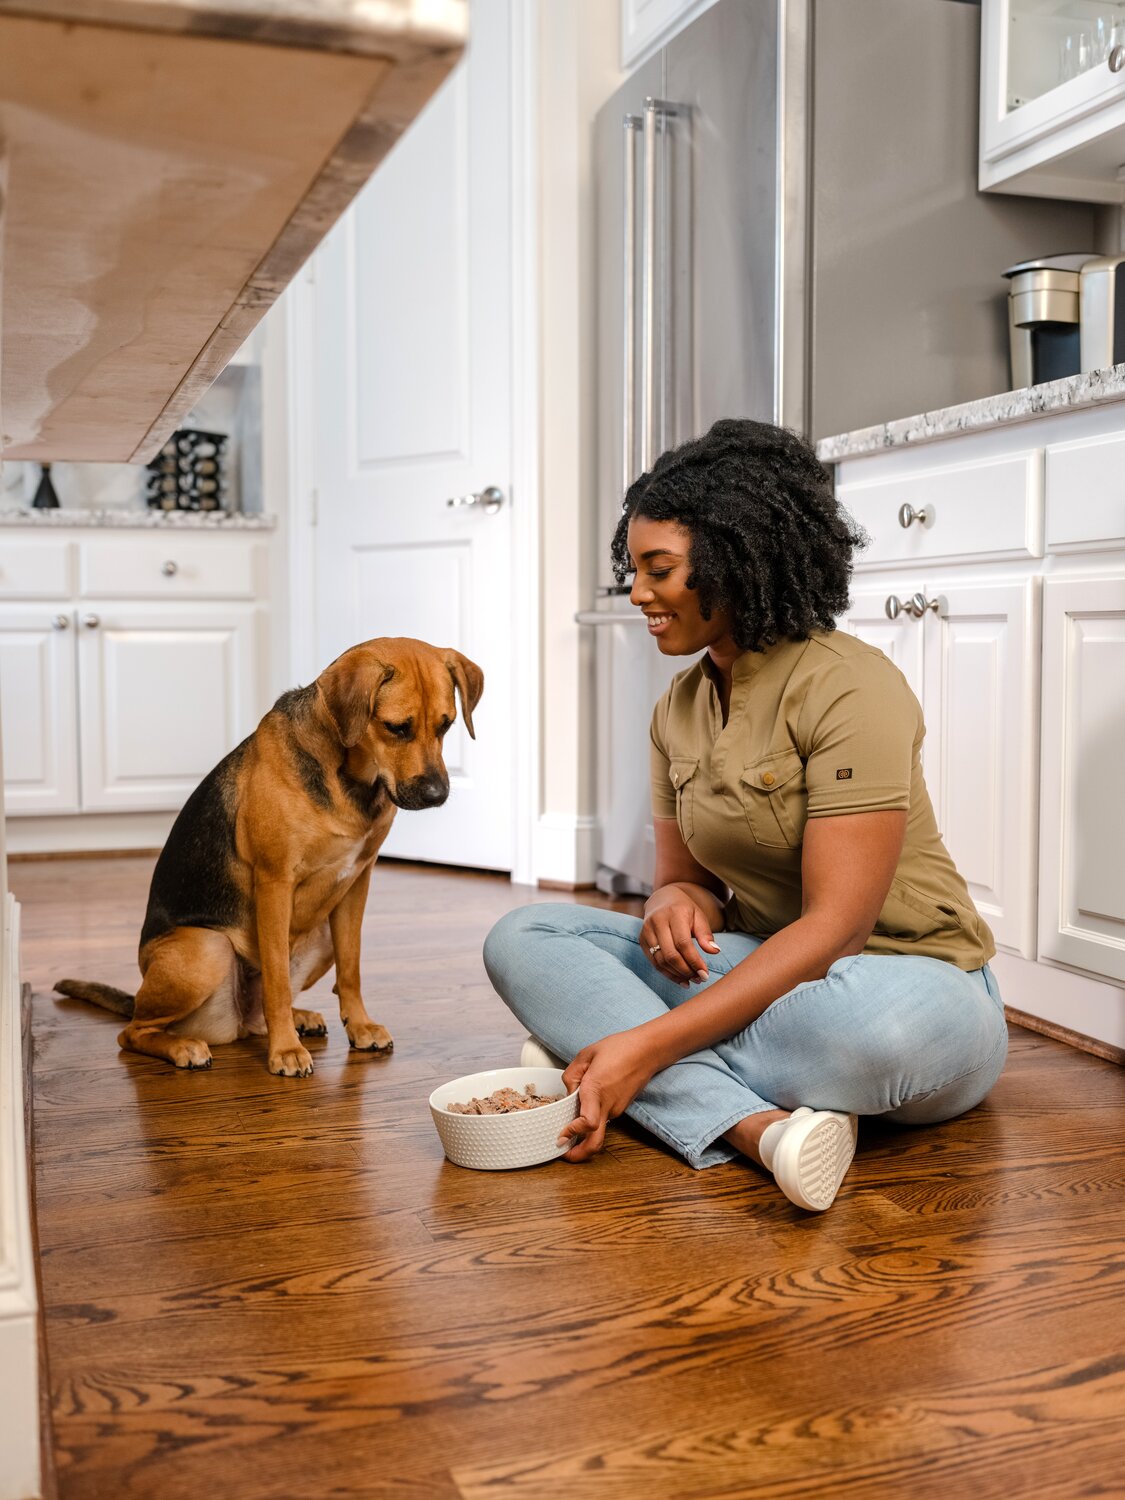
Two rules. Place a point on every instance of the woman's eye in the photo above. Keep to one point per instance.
(659, 572)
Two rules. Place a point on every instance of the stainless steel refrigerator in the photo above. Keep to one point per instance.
(788, 229)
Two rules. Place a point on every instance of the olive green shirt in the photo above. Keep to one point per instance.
(816, 728)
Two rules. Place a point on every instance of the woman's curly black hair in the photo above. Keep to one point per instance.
(769, 542)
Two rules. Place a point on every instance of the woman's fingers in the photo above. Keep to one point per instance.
(588, 1135)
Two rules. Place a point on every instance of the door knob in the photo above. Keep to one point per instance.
(907, 514)
(169, 569)
(488, 500)
(60, 622)
(893, 606)
(91, 622)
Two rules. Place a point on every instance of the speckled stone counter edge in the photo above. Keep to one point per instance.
(148, 520)
(974, 416)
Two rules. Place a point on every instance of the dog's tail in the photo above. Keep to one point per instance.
(97, 994)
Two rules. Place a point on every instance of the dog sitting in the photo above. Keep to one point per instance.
(262, 884)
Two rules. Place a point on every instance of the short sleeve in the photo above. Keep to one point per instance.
(861, 727)
(663, 792)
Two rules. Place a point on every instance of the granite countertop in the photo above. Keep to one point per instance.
(149, 520)
(1074, 392)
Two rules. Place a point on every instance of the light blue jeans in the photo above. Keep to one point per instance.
(915, 1040)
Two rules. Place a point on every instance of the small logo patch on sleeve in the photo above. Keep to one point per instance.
(844, 773)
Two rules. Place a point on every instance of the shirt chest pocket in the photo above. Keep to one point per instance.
(682, 774)
(775, 799)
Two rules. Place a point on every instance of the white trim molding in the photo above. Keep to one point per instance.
(566, 849)
(19, 1307)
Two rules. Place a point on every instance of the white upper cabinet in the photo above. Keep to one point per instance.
(1053, 98)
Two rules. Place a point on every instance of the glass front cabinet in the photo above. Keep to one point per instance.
(1053, 98)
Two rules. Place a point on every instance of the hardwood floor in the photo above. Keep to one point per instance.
(269, 1289)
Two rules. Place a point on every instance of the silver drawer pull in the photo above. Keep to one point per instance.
(91, 622)
(61, 622)
(907, 514)
(893, 606)
(1117, 59)
(169, 569)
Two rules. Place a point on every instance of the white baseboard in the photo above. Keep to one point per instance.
(565, 849)
(88, 833)
(1077, 1002)
(19, 1336)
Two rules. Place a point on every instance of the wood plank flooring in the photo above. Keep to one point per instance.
(271, 1289)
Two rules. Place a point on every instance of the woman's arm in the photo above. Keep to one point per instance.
(848, 863)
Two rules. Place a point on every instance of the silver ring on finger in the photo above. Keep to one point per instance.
(654, 950)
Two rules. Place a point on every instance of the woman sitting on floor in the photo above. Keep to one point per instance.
(810, 952)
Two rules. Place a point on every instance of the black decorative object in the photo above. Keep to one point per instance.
(45, 497)
(187, 473)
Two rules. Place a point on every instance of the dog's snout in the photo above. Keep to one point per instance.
(429, 790)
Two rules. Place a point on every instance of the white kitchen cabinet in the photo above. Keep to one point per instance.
(164, 693)
(37, 680)
(1052, 121)
(130, 664)
(1082, 838)
(1019, 673)
(970, 663)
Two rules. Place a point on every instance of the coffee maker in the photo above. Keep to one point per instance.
(1066, 315)
(1044, 318)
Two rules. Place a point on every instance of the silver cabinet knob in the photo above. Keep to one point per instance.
(919, 604)
(91, 622)
(893, 606)
(488, 500)
(169, 569)
(60, 622)
(907, 514)
(1117, 59)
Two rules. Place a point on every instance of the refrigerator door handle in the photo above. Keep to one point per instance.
(632, 125)
(657, 117)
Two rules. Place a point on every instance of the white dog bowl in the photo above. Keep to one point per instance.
(492, 1143)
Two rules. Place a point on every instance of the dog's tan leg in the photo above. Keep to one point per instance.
(346, 921)
(273, 909)
(310, 962)
(181, 973)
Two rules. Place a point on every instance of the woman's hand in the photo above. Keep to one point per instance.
(611, 1073)
(677, 927)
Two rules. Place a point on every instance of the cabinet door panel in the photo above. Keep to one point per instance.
(980, 704)
(38, 692)
(900, 639)
(165, 694)
(1082, 881)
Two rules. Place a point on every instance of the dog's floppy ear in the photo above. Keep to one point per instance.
(469, 680)
(349, 688)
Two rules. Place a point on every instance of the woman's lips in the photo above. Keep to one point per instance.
(657, 624)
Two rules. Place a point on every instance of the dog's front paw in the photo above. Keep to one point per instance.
(188, 1053)
(291, 1062)
(309, 1023)
(369, 1036)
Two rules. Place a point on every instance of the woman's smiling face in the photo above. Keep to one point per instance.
(661, 554)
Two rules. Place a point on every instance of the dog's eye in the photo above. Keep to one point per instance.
(400, 731)
(444, 727)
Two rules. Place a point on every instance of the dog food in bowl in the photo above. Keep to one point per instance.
(505, 1102)
(496, 1141)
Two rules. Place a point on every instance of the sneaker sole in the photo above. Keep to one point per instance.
(813, 1157)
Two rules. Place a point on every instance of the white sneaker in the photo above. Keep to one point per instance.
(813, 1154)
(535, 1055)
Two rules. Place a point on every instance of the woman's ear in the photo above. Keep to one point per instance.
(349, 688)
(469, 681)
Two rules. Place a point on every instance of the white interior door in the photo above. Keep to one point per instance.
(413, 408)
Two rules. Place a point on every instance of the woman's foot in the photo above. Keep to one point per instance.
(808, 1152)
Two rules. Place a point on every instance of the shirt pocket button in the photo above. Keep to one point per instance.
(768, 778)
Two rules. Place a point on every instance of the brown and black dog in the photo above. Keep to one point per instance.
(263, 881)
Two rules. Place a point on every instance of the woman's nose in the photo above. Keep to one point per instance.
(640, 593)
